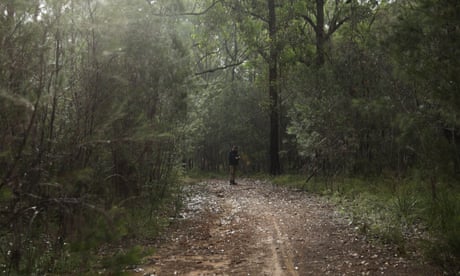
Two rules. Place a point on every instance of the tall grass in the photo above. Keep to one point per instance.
(443, 217)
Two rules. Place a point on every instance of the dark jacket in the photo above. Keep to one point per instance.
(233, 158)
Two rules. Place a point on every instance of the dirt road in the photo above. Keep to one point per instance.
(257, 229)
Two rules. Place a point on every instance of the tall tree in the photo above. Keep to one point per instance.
(325, 17)
(259, 51)
(273, 84)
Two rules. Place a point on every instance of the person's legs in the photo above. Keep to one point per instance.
(232, 174)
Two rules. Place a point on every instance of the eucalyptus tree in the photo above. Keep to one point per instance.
(255, 25)
(224, 81)
(280, 33)
(317, 15)
(275, 167)
(331, 124)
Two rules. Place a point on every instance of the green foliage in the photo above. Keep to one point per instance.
(406, 204)
(400, 212)
(91, 96)
(443, 215)
(290, 180)
(427, 61)
(6, 195)
(425, 41)
(226, 115)
(117, 263)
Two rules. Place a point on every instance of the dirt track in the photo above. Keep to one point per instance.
(257, 229)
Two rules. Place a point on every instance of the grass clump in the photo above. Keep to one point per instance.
(443, 218)
(116, 264)
(290, 180)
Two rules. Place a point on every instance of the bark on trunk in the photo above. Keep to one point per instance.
(275, 167)
(320, 36)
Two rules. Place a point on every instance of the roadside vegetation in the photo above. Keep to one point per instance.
(399, 213)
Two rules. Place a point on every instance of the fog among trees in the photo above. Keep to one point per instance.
(105, 105)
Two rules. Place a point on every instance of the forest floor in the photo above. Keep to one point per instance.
(255, 228)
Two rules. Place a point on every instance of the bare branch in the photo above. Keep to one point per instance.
(204, 11)
(212, 70)
(335, 26)
(248, 12)
(309, 21)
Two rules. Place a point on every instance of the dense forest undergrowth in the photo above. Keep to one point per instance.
(105, 106)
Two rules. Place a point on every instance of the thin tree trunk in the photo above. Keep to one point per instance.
(275, 167)
(320, 36)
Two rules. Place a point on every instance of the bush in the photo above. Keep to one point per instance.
(443, 217)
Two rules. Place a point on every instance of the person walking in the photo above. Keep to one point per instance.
(233, 158)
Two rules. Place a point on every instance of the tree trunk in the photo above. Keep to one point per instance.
(275, 167)
(320, 36)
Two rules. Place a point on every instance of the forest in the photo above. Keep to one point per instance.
(107, 105)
